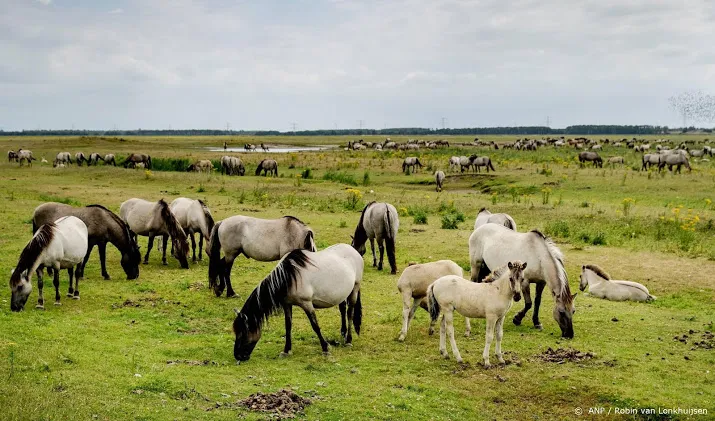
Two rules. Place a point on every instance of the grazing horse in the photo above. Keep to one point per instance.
(493, 245)
(674, 160)
(482, 161)
(203, 165)
(616, 160)
(24, 155)
(379, 221)
(94, 158)
(109, 158)
(309, 280)
(137, 158)
(268, 166)
(650, 159)
(488, 300)
(249, 147)
(454, 163)
(12, 156)
(411, 162)
(79, 157)
(264, 147)
(56, 245)
(601, 285)
(103, 226)
(265, 240)
(232, 165)
(413, 285)
(151, 219)
(591, 157)
(464, 162)
(193, 216)
(486, 217)
(63, 158)
(439, 180)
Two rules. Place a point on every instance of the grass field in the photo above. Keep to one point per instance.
(160, 348)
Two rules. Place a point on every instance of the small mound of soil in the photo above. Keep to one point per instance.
(707, 339)
(561, 355)
(191, 362)
(285, 403)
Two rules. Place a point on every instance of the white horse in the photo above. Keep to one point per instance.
(464, 162)
(413, 284)
(193, 216)
(309, 280)
(63, 158)
(109, 158)
(601, 285)
(439, 180)
(203, 165)
(488, 300)
(486, 217)
(79, 157)
(493, 245)
(265, 240)
(151, 219)
(57, 245)
(454, 163)
(411, 163)
(94, 158)
(24, 155)
(379, 221)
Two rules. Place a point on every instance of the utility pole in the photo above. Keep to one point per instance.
(360, 123)
(293, 126)
(548, 121)
(228, 128)
(444, 123)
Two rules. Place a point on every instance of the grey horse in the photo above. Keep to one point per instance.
(379, 221)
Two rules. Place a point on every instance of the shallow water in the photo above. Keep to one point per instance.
(277, 149)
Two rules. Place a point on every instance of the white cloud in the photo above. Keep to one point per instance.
(116, 11)
(45, 2)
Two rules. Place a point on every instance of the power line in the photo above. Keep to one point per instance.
(444, 123)
(293, 126)
(361, 123)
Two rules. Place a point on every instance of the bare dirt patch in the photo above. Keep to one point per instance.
(706, 341)
(563, 355)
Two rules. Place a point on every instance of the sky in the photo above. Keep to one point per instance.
(259, 65)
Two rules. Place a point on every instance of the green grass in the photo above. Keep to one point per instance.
(81, 360)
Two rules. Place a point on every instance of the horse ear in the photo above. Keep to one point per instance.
(573, 297)
(583, 267)
(523, 266)
(510, 266)
(352, 238)
(235, 310)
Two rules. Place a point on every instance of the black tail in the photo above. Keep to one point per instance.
(432, 304)
(148, 160)
(259, 167)
(357, 314)
(216, 263)
(390, 242)
(489, 162)
(309, 242)
(418, 162)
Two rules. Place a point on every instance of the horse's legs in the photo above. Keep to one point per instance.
(500, 335)
(467, 327)
(442, 338)
(372, 247)
(381, 245)
(90, 247)
(40, 284)
(56, 283)
(201, 246)
(164, 240)
(148, 249)
(449, 319)
(76, 280)
(489, 337)
(537, 302)
(310, 312)
(408, 312)
(527, 305)
(288, 312)
(343, 318)
(227, 275)
(193, 247)
(352, 299)
(70, 290)
(102, 248)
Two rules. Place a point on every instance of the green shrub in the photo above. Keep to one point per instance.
(307, 174)
(366, 178)
(340, 177)
(558, 228)
(420, 218)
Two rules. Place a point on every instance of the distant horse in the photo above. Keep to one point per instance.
(109, 159)
(79, 158)
(483, 161)
(590, 157)
(12, 156)
(486, 217)
(103, 227)
(411, 163)
(493, 245)
(56, 245)
(650, 159)
(232, 165)
(379, 221)
(413, 285)
(616, 160)
(264, 147)
(265, 240)
(488, 300)
(309, 280)
(136, 158)
(454, 163)
(268, 166)
(249, 147)
(464, 162)
(94, 158)
(24, 155)
(203, 165)
(439, 180)
(193, 216)
(63, 158)
(601, 285)
(151, 219)
(672, 160)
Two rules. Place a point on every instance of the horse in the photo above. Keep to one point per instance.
(493, 245)
(439, 180)
(103, 226)
(601, 285)
(203, 165)
(109, 158)
(616, 160)
(264, 147)
(650, 159)
(24, 155)
(63, 158)
(193, 216)
(488, 300)
(379, 221)
(57, 245)
(232, 165)
(413, 285)
(486, 217)
(265, 240)
(249, 147)
(151, 219)
(79, 157)
(482, 161)
(454, 163)
(411, 163)
(94, 158)
(268, 166)
(464, 162)
(309, 280)
(12, 156)
(672, 160)
(135, 158)
(590, 157)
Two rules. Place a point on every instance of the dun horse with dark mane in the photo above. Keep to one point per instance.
(378, 221)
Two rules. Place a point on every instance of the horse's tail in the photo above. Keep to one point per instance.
(209, 218)
(276, 169)
(216, 264)
(404, 164)
(309, 243)
(148, 160)
(417, 161)
(651, 298)
(259, 167)
(489, 163)
(432, 304)
(390, 241)
(357, 314)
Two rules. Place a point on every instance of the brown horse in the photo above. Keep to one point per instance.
(136, 158)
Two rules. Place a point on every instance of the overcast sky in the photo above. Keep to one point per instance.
(330, 63)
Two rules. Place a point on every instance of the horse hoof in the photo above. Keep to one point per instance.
(107, 277)
(57, 303)
(76, 297)
(349, 344)
(284, 354)
(165, 263)
(445, 355)
(146, 262)
(539, 327)
(516, 321)
(232, 295)
(393, 272)
(40, 307)
(69, 294)
(467, 334)
(326, 353)
(487, 366)
(401, 338)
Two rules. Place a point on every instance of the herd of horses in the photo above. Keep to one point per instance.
(503, 264)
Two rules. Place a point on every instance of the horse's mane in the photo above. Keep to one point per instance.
(268, 296)
(558, 256)
(482, 210)
(360, 229)
(207, 214)
(32, 251)
(117, 219)
(294, 219)
(259, 167)
(600, 272)
(172, 225)
(496, 274)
